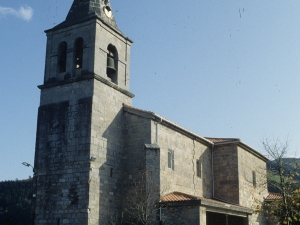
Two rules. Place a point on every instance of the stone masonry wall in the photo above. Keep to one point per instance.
(226, 177)
(107, 146)
(96, 38)
(84, 30)
(104, 37)
(62, 154)
(182, 215)
(137, 133)
(186, 153)
(250, 194)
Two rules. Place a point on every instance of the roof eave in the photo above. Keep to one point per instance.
(65, 24)
(166, 122)
(244, 146)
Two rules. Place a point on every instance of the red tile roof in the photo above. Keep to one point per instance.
(222, 140)
(273, 196)
(178, 197)
(181, 197)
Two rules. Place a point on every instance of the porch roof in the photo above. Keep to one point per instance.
(273, 196)
(212, 205)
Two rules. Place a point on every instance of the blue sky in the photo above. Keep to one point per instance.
(218, 68)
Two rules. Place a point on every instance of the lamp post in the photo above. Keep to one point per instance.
(28, 165)
(32, 216)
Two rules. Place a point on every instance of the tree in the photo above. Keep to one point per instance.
(287, 208)
(142, 200)
(143, 204)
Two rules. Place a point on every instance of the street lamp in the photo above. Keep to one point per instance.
(33, 202)
(27, 164)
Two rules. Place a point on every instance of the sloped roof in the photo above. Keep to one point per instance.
(273, 196)
(85, 10)
(167, 122)
(206, 140)
(180, 198)
(222, 140)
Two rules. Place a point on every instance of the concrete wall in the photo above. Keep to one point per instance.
(186, 153)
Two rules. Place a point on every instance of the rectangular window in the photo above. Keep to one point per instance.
(254, 178)
(198, 168)
(171, 159)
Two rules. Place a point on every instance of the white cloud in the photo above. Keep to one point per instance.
(24, 13)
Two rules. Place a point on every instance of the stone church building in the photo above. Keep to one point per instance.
(92, 144)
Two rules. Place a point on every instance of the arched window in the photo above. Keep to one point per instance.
(78, 53)
(62, 57)
(112, 64)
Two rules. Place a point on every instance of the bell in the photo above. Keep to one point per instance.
(110, 69)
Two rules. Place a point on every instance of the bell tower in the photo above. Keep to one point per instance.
(79, 142)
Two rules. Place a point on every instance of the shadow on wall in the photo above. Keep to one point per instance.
(123, 159)
(111, 169)
(205, 173)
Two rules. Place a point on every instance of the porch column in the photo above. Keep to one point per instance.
(202, 214)
(246, 220)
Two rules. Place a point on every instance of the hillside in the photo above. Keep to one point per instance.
(15, 202)
(288, 164)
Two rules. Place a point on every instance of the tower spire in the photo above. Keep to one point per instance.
(82, 10)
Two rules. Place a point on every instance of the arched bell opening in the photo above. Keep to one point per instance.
(62, 57)
(112, 64)
(78, 56)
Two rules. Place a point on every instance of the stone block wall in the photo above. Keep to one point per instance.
(186, 154)
(62, 154)
(182, 215)
(77, 122)
(226, 176)
(107, 146)
(104, 37)
(69, 34)
(96, 38)
(137, 132)
(252, 194)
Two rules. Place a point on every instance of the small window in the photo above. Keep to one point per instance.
(254, 178)
(171, 159)
(198, 164)
(111, 172)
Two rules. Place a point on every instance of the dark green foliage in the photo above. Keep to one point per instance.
(15, 202)
(288, 164)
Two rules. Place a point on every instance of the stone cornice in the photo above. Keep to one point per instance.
(91, 19)
(86, 77)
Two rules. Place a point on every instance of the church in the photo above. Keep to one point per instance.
(92, 144)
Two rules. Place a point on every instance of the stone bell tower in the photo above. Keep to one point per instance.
(79, 143)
